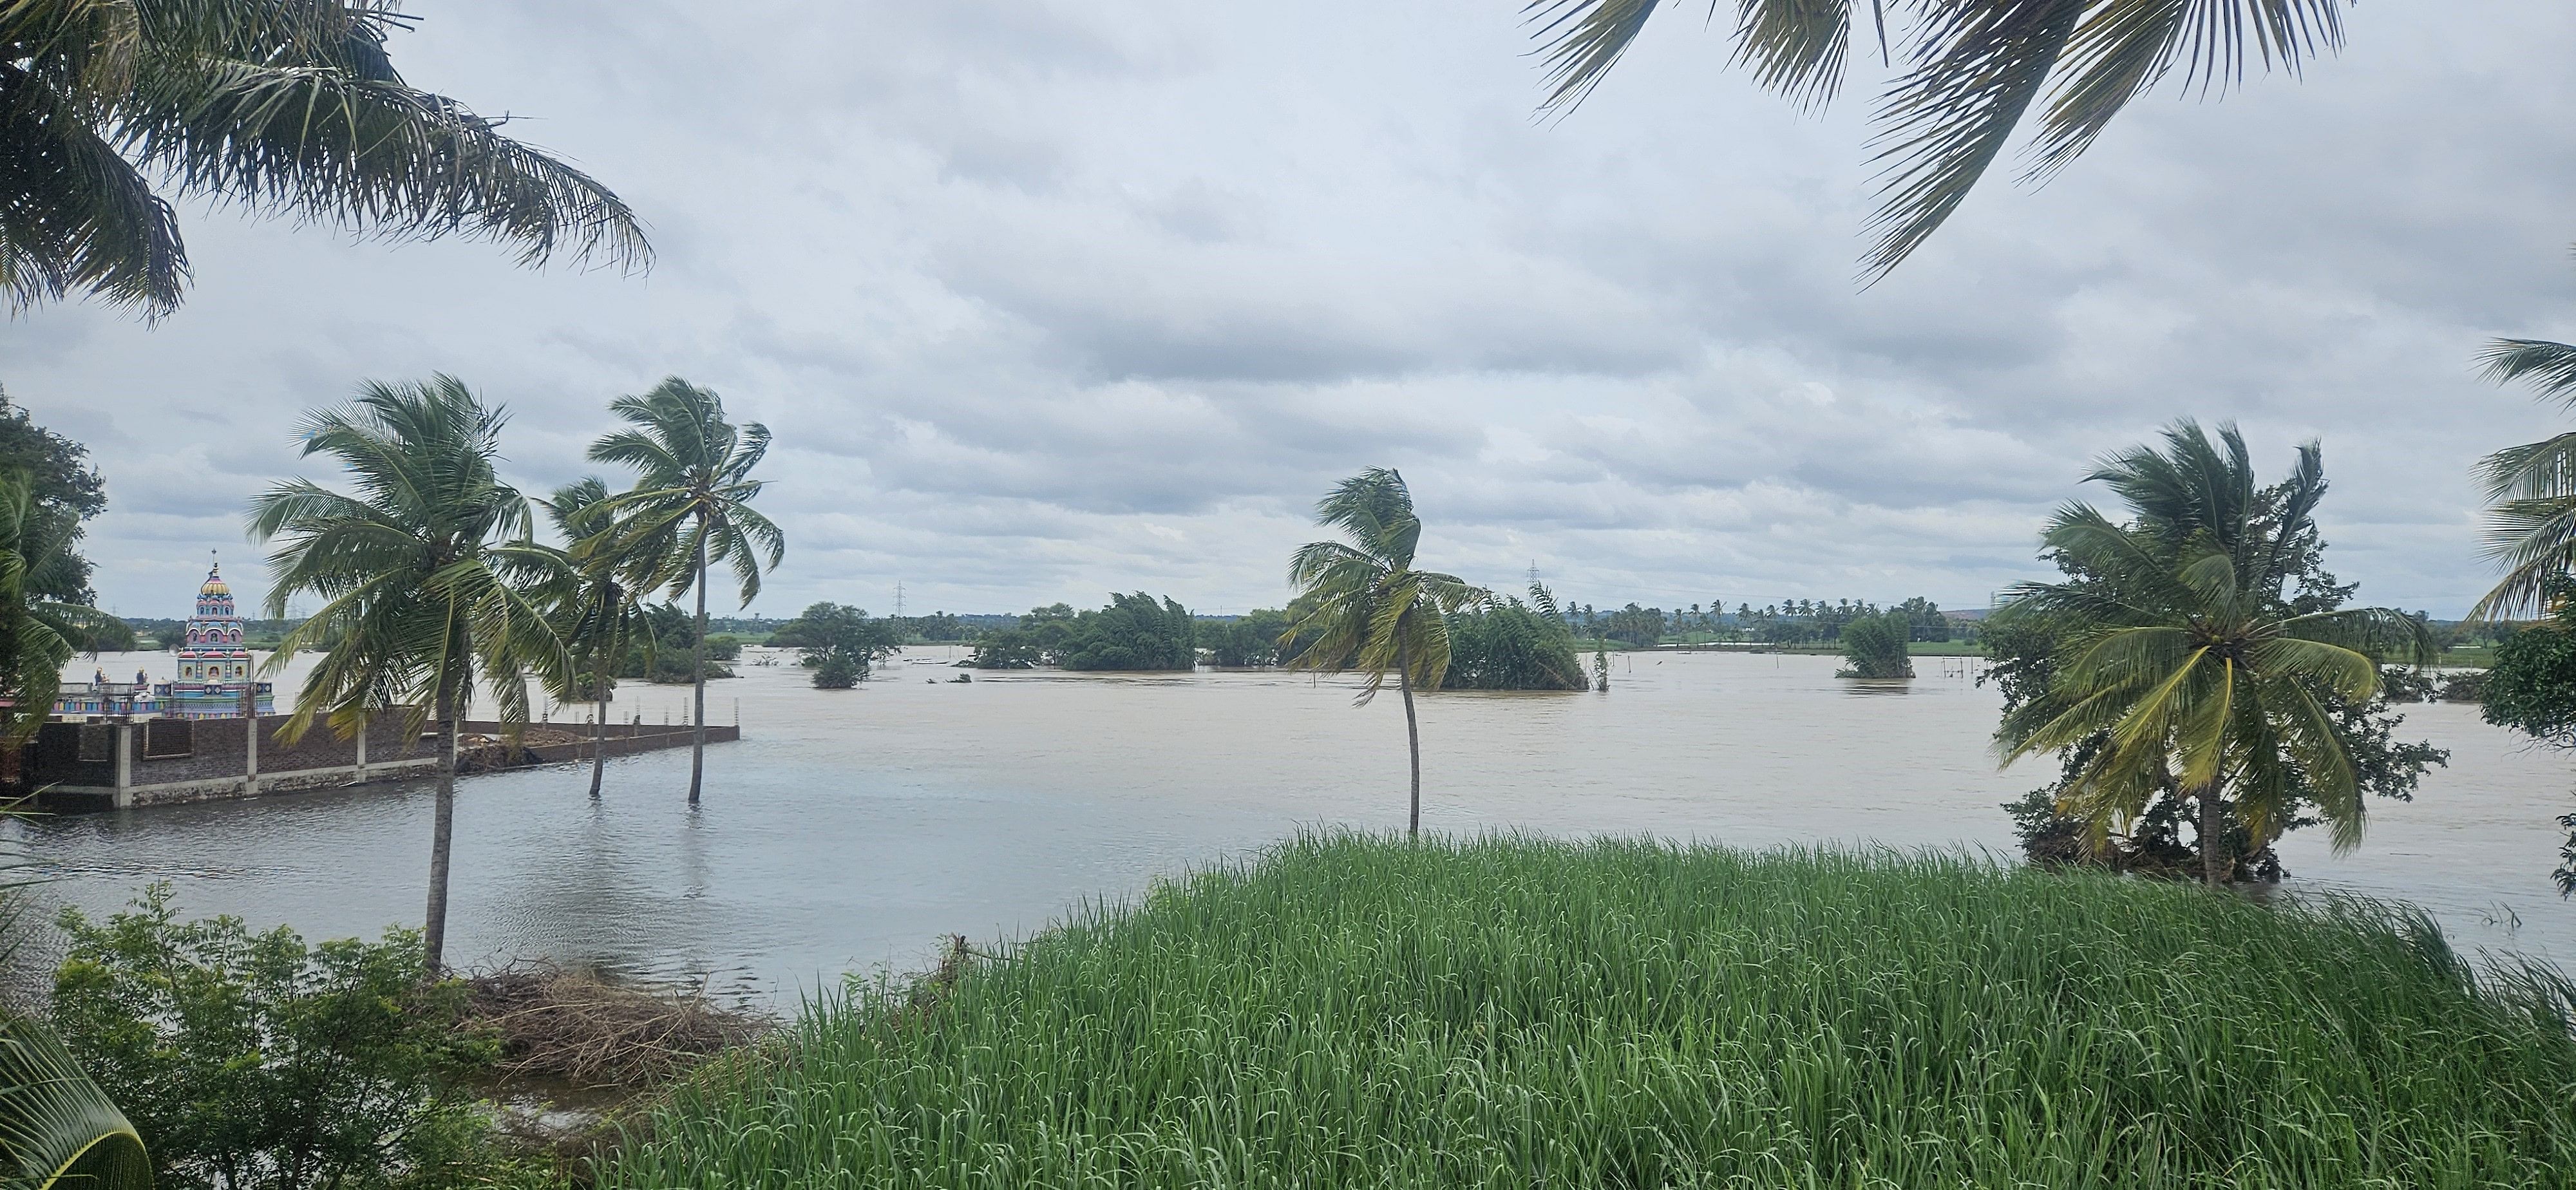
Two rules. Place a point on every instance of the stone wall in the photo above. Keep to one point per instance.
(172, 761)
(221, 746)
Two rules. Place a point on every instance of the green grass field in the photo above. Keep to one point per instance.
(2470, 656)
(1515, 1013)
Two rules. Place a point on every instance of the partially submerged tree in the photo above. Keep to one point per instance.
(2197, 661)
(1363, 605)
(426, 574)
(1135, 632)
(1505, 644)
(599, 615)
(690, 509)
(1874, 646)
(841, 643)
(282, 108)
(1966, 73)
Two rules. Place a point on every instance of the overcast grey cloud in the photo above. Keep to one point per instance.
(1045, 299)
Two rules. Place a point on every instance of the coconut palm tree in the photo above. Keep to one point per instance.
(429, 577)
(57, 1127)
(690, 509)
(1361, 604)
(284, 108)
(1972, 69)
(2185, 668)
(598, 615)
(37, 633)
(2531, 489)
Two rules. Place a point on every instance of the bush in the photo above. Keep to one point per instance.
(1134, 632)
(1006, 648)
(1520, 1013)
(251, 1061)
(835, 671)
(1509, 646)
(1875, 647)
(1249, 640)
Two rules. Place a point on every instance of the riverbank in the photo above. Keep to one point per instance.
(1357, 1011)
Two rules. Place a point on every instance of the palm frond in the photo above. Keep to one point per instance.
(2550, 367)
(57, 1128)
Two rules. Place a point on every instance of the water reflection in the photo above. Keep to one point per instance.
(852, 829)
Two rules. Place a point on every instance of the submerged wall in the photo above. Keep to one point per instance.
(127, 763)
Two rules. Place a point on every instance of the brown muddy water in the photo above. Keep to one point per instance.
(851, 830)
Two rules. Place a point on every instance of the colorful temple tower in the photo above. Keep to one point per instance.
(213, 666)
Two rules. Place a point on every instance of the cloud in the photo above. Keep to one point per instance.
(1045, 300)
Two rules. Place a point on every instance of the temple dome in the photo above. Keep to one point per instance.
(215, 582)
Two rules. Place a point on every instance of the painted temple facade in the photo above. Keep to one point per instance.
(214, 669)
(213, 664)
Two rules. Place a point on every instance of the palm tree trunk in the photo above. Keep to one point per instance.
(698, 668)
(1412, 734)
(434, 931)
(599, 723)
(2214, 865)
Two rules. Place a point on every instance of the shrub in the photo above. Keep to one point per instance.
(254, 1062)
(1510, 646)
(1875, 647)
(1134, 632)
(836, 671)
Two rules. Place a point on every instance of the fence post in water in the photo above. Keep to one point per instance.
(124, 753)
(365, 723)
(250, 755)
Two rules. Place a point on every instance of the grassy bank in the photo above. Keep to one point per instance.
(1356, 1012)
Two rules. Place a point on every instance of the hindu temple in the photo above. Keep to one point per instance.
(214, 669)
(213, 665)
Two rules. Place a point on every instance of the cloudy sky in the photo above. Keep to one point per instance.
(1045, 298)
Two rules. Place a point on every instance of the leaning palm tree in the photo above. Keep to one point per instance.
(426, 573)
(1972, 69)
(690, 509)
(37, 633)
(2183, 670)
(285, 108)
(2531, 489)
(599, 615)
(1361, 604)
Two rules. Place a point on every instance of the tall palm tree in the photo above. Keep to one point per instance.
(690, 509)
(599, 615)
(424, 572)
(1972, 69)
(285, 108)
(2531, 489)
(2184, 667)
(1361, 604)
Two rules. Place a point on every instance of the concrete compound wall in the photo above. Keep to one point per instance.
(121, 764)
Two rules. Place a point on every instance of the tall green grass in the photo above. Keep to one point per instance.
(1510, 1012)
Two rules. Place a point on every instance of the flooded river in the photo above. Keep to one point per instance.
(851, 829)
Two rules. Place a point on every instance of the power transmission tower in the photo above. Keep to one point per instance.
(898, 599)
